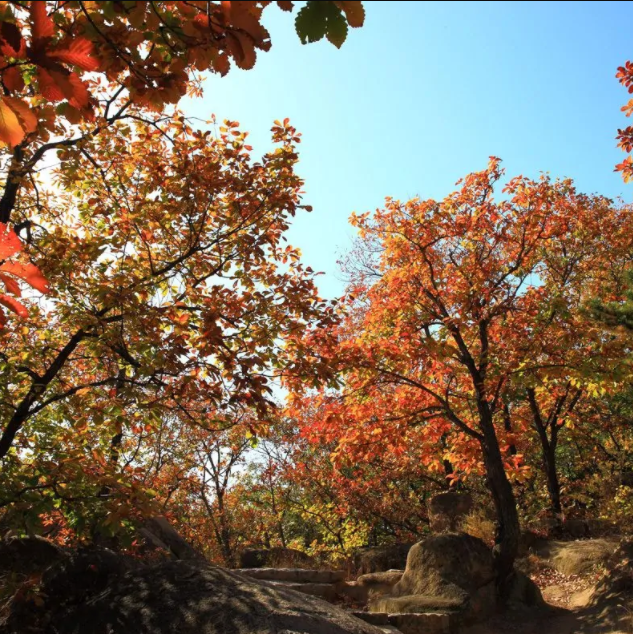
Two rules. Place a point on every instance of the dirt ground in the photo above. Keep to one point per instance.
(568, 607)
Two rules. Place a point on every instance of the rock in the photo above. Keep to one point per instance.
(599, 527)
(378, 583)
(381, 558)
(26, 555)
(370, 585)
(575, 528)
(374, 618)
(166, 535)
(294, 575)
(274, 557)
(325, 591)
(188, 597)
(528, 540)
(430, 623)
(353, 591)
(453, 572)
(578, 557)
(447, 510)
(456, 558)
(523, 592)
(549, 527)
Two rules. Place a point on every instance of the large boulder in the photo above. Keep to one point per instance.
(381, 558)
(27, 555)
(447, 573)
(454, 575)
(188, 597)
(274, 558)
(448, 510)
(457, 559)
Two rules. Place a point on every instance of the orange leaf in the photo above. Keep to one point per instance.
(11, 132)
(24, 112)
(14, 305)
(242, 48)
(42, 26)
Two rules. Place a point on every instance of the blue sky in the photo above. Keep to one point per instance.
(424, 93)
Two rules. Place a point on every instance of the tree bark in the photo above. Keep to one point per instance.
(508, 528)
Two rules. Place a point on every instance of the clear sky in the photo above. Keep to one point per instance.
(424, 93)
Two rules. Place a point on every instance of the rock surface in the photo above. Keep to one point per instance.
(380, 582)
(381, 558)
(451, 573)
(25, 555)
(274, 557)
(294, 575)
(447, 510)
(99, 596)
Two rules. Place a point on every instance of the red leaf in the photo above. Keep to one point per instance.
(27, 272)
(42, 26)
(9, 242)
(49, 88)
(222, 64)
(12, 79)
(56, 85)
(11, 35)
(11, 285)
(14, 305)
(77, 52)
(354, 12)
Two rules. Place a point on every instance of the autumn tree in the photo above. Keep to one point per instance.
(173, 293)
(97, 63)
(569, 358)
(443, 292)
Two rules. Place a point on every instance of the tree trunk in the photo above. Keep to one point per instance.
(508, 529)
(553, 485)
(548, 451)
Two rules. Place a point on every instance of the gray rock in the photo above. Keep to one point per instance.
(294, 575)
(186, 597)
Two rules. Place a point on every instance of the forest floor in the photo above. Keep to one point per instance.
(568, 610)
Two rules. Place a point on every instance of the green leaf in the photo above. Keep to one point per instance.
(319, 19)
(336, 28)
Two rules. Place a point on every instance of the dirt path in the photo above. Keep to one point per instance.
(554, 621)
